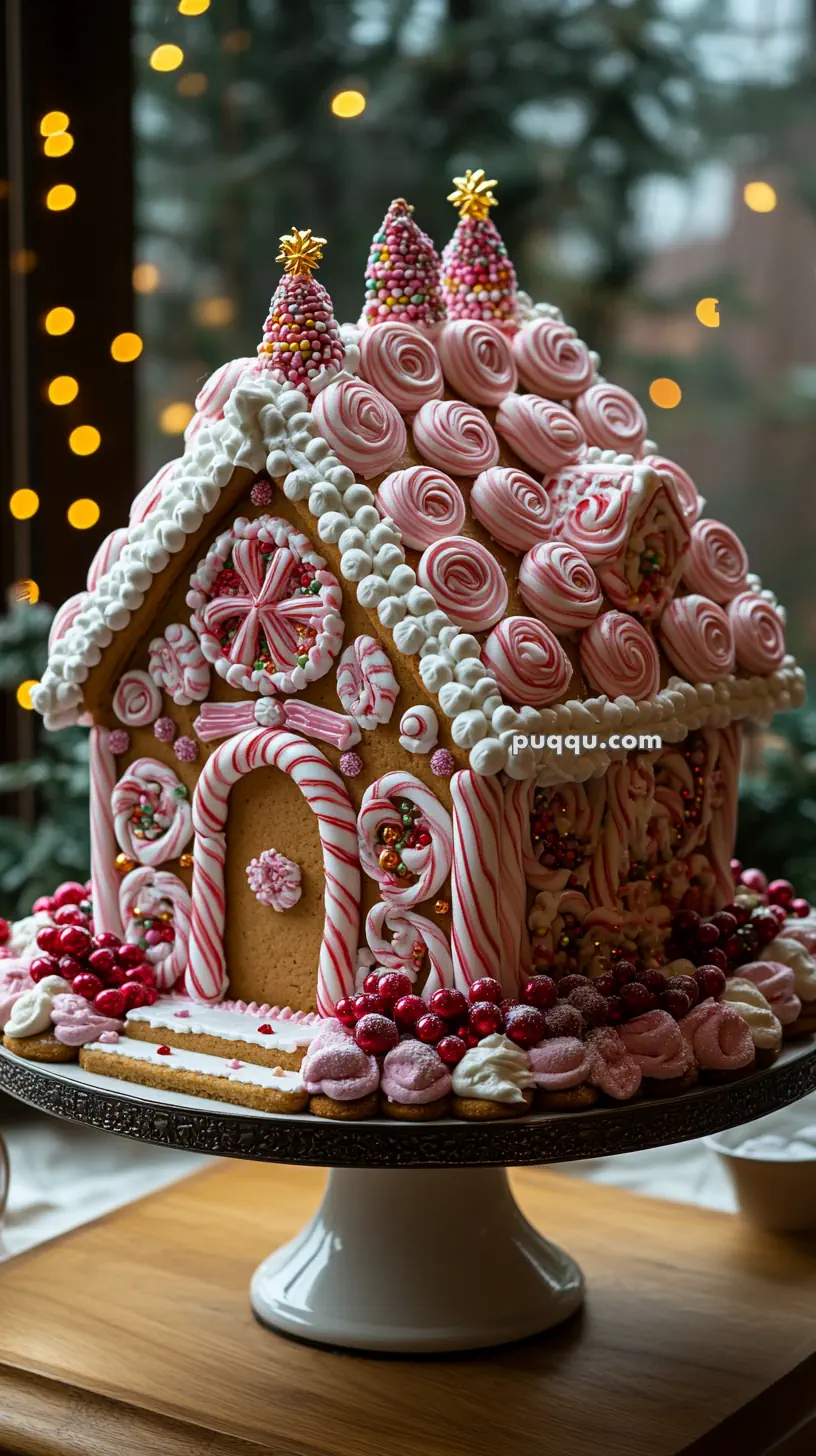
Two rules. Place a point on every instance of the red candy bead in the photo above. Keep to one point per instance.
(43, 904)
(392, 986)
(754, 880)
(525, 1025)
(69, 967)
(485, 1017)
(779, 914)
(676, 1002)
(375, 1034)
(110, 1002)
(152, 995)
(688, 985)
(718, 958)
(87, 984)
(73, 940)
(485, 990)
(69, 893)
(605, 985)
(430, 1028)
(799, 907)
(102, 960)
(408, 1010)
(736, 868)
(265, 1029)
(48, 938)
(144, 973)
(685, 922)
(615, 1010)
(781, 892)
(371, 982)
(367, 1005)
(655, 980)
(451, 1049)
(70, 915)
(5, 931)
(107, 939)
(344, 1011)
(570, 983)
(637, 998)
(765, 926)
(725, 922)
(164, 1051)
(708, 935)
(710, 980)
(541, 991)
(129, 955)
(626, 971)
(135, 995)
(451, 1005)
(43, 966)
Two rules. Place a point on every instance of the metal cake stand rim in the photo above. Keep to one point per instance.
(537, 1138)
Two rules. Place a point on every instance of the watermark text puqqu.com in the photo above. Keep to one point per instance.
(578, 743)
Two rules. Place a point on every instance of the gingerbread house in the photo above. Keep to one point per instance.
(378, 670)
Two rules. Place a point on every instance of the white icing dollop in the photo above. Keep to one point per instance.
(419, 730)
(790, 953)
(31, 1012)
(496, 1070)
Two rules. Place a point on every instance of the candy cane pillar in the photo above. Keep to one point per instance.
(104, 878)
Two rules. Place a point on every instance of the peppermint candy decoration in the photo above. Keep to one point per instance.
(477, 360)
(366, 685)
(598, 524)
(465, 581)
(696, 635)
(178, 665)
(424, 504)
(406, 839)
(529, 663)
(759, 633)
(419, 730)
(412, 937)
(137, 700)
(156, 911)
(151, 813)
(543, 434)
(551, 359)
(515, 509)
(612, 418)
(619, 657)
(361, 426)
(65, 617)
(558, 584)
(402, 363)
(455, 437)
(267, 609)
(107, 556)
(717, 564)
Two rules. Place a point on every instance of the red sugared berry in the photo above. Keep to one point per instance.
(43, 904)
(430, 1028)
(135, 995)
(707, 935)
(718, 958)
(371, 982)
(615, 1010)
(654, 979)
(265, 1029)
(564, 1020)
(344, 1011)
(685, 923)
(451, 1049)
(741, 913)
(144, 973)
(711, 981)
(637, 998)
(725, 923)
(485, 990)
(624, 972)
(451, 1005)
(736, 868)
(485, 1017)
(73, 940)
(129, 955)
(375, 1034)
(69, 967)
(765, 926)
(86, 984)
(107, 939)
(164, 1051)
(781, 892)
(367, 1005)
(799, 907)
(69, 893)
(408, 1010)
(676, 1002)
(43, 966)
(541, 991)
(688, 985)
(110, 1002)
(48, 938)
(570, 983)
(525, 1025)
(116, 976)
(392, 986)
(591, 1005)
(754, 880)
(605, 985)
(102, 960)
(779, 914)
(69, 915)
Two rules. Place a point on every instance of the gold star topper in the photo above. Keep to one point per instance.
(472, 194)
(300, 253)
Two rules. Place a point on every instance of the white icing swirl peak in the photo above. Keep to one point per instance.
(717, 564)
(696, 635)
(759, 632)
(612, 418)
(543, 434)
(424, 503)
(551, 359)
(361, 425)
(557, 583)
(529, 663)
(477, 360)
(514, 508)
(466, 582)
(496, 1070)
(619, 657)
(455, 437)
(402, 363)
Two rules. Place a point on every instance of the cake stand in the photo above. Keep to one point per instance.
(418, 1245)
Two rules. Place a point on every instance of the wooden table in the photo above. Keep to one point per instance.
(134, 1334)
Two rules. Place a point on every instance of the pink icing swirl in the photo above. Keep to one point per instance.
(717, 563)
(76, 1023)
(612, 418)
(619, 657)
(530, 665)
(455, 437)
(778, 985)
(336, 1067)
(414, 1074)
(696, 635)
(477, 360)
(558, 584)
(465, 580)
(424, 503)
(657, 1045)
(361, 425)
(688, 499)
(514, 508)
(137, 700)
(759, 633)
(614, 1070)
(599, 523)
(551, 359)
(402, 363)
(562, 1063)
(543, 434)
(719, 1039)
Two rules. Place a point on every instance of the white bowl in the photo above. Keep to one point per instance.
(773, 1192)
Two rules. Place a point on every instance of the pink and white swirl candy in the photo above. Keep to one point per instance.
(430, 862)
(696, 636)
(424, 503)
(361, 425)
(137, 700)
(465, 581)
(477, 360)
(530, 665)
(213, 396)
(402, 363)
(558, 584)
(690, 502)
(65, 617)
(612, 418)
(419, 730)
(150, 495)
(155, 893)
(551, 359)
(151, 812)
(366, 685)
(406, 929)
(178, 665)
(514, 508)
(107, 556)
(455, 437)
(717, 563)
(599, 523)
(759, 633)
(619, 657)
(542, 433)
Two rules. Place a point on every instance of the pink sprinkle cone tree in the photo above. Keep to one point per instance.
(301, 343)
(478, 277)
(402, 274)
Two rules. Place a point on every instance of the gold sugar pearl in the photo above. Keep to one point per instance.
(388, 860)
(390, 834)
(124, 864)
(442, 907)
(186, 861)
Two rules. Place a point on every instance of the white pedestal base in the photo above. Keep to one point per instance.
(417, 1261)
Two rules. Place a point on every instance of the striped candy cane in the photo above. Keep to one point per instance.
(406, 928)
(104, 877)
(326, 795)
(150, 890)
(476, 929)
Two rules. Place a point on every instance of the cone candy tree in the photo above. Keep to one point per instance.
(478, 278)
(301, 343)
(402, 274)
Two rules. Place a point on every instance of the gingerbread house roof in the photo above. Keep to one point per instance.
(497, 507)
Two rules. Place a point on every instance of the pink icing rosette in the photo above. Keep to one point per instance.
(557, 583)
(561, 1063)
(719, 1039)
(514, 508)
(477, 360)
(465, 581)
(361, 425)
(778, 985)
(691, 503)
(424, 503)
(455, 437)
(414, 1074)
(334, 1066)
(717, 562)
(530, 665)
(542, 433)
(76, 1023)
(551, 359)
(612, 418)
(620, 658)
(137, 700)
(657, 1045)
(614, 1070)
(402, 363)
(759, 633)
(696, 635)
(599, 523)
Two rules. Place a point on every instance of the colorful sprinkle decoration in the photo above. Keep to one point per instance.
(402, 275)
(478, 278)
(301, 336)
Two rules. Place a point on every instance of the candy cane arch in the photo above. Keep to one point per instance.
(407, 928)
(150, 886)
(487, 871)
(326, 795)
(104, 877)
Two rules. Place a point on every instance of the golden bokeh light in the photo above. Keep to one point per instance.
(59, 321)
(26, 591)
(61, 197)
(126, 347)
(214, 313)
(175, 417)
(759, 196)
(193, 84)
(58, 145)
(235, 42)
(24, 692)
(193, 7)
(348, 103)
(63, 389)
(707, 313)
(24, 504)
(166, 58)
(146, 278)
(665, 393)
(82, 514)
(54, 122)
(84, 440)
(23, 260)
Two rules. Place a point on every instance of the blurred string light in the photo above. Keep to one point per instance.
(665, 393)
(235, 42)
(706, 312)
(146, 277)
(58, 145)
(61, 197)
(348, 103)
(193, 84)
(193, 7)
(59, 321)
(24, 692)
(126, 347)
(166, 58)
(24, 504)
(26, 591)
(84, 440)
(63, 389)
(82, 514)
(214, 313)
(54, 122)
(175, 417)
(23, 260)
(759, 196)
